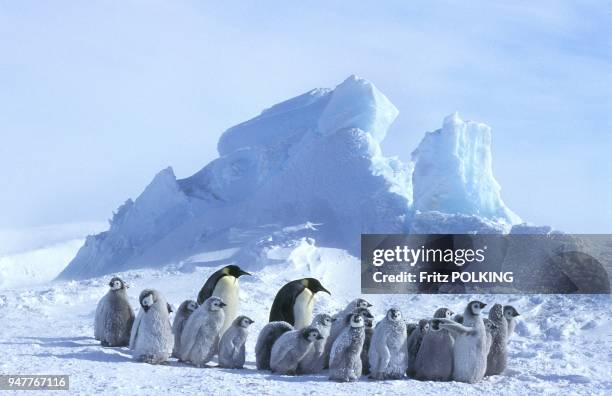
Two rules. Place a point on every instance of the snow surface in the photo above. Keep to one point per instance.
(314, 158)
(562, 343)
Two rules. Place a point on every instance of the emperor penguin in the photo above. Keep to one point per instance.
(290, 349)
(368, 329)
(340, 324)
(294, 302)
(434, 360)
(266, 339)
(114, 316)
(224, 284)
(510, 313)
(388, 351)
(200, 336)
(231, 347)
(184, 312)
(469, 350)
(314, 360)
(413, 344)
(497, 358)
(151, 340)
(345, 359)
(489, 328)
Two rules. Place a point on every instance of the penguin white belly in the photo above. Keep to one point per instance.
(302, 309)
(227, 290)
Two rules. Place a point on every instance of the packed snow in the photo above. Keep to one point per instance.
(562, 343)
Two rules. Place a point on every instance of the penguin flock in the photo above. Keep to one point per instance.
(461, 347)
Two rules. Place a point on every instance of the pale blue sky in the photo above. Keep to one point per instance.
(96, 97)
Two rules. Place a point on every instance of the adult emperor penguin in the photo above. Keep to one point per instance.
(388, 352)
(184, 312)
(114, 316)
(266, 339)
(434, 360)
(497, 358)
(345, 359)
(224, 284)
(294, 302)
(469, 350)
(314, 360)
(231, 347)
(151, 340)
(201, 332)
(413, 344)
(290, 349)
(510, 313)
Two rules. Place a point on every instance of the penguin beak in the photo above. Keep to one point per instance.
(243, 273)
(334, 319)
(368, 304)
(320, 337)
(222, 304)
(516, 314)
(482, 305)
(324, 290)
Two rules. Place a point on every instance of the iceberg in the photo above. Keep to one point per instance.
(313, 159)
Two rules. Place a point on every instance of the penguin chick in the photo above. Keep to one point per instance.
(151, 340)
(410, 327)
(413, 344)
(266, 339)
(469, 349)
(368, 329)
(114, 316)
(340, 324)
(345, 359)
(352, 306)
(489, 328)
(388, 350)
(290, 348)
(184, 312)
(294, 302)
(497, 358)
(231, 347)
(224, 284)
(510, 313)
(313, 362)
(434, 360)
(201, 332)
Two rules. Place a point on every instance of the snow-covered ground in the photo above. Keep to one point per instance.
(563, 343)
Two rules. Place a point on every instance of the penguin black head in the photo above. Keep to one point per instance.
(243, 321)
(356, 320)
(394, 314)
(361, 303)
(214, 303)
(364, 312)
(443, 313)
(510, 312)
(311, 334)
(434, 325)
(424, 326)
(117, 283)
(189, 306)
(476, 306)
(323, 320)
(147, 298)
(314, 285)
(234, 271)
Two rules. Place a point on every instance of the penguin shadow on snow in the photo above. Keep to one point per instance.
(55, 342)
(90, 355)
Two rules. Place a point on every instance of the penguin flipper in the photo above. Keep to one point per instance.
(456, 327)
(135, 326)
